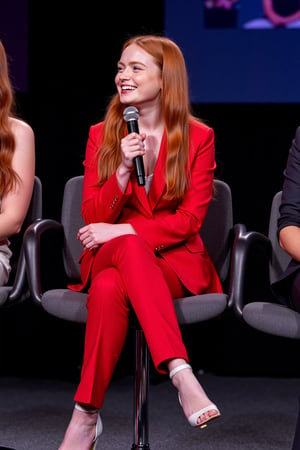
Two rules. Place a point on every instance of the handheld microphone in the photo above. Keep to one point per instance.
(131, 116)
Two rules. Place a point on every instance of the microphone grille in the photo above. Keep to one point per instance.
(130, 113)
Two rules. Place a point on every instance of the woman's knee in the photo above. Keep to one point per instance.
(133, 246)
(106, 285)
(133, 240)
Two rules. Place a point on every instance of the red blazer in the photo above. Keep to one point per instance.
(170, 228)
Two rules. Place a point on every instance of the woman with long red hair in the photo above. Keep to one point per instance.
(17, 167)
(141, 242)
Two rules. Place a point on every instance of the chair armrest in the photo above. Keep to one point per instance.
(32, 251)
(247, 245)
(18, 291)
(239, 230)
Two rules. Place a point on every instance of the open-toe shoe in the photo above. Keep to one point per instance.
(193, 418)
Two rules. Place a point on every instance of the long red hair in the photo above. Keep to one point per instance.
(175, 104)
(8, 176)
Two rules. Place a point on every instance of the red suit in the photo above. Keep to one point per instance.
(143, 270)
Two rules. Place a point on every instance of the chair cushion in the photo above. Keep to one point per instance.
(274, 319)
(188, 311)
(70, 305)
(66, 304)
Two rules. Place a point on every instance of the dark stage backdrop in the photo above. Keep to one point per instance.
(72, 55)
(64, 65)
(14, 34)
(72, 66)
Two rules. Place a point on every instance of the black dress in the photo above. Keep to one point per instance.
(289, 215)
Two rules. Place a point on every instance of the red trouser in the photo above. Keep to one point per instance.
(126, 272)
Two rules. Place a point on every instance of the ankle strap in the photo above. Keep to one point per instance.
(178, 369)
(87, 411)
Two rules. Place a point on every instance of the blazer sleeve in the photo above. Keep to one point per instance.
(290, 203)
(100, 204)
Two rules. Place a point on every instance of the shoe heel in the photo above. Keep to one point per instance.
(99, 426)
(99, 429)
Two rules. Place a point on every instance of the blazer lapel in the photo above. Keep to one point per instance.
(141, 195)
(158, 182)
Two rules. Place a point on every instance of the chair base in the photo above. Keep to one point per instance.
(140, 447)
(296, 441)
(141, 390)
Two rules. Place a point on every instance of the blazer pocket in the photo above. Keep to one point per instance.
(195, 245)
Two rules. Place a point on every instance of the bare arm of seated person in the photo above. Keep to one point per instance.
(289, 240)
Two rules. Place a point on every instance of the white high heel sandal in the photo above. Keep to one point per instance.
(194, 417)
(99, 426)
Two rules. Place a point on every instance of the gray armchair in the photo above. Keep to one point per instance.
(16, 290)
(219, 235)
(262, 311)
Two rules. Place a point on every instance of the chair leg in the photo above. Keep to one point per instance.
(141, 389)
(296, 441)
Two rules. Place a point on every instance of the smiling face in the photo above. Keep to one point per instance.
(138, 80)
